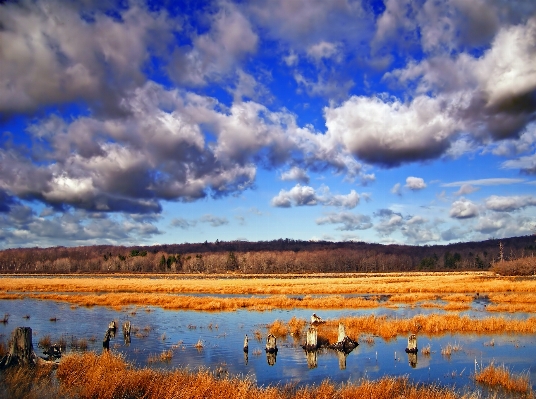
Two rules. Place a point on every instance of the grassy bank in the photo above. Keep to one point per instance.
(108, 376)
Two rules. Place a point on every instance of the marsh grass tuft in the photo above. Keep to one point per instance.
(500, 376)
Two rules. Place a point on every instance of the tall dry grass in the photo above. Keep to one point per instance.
(502, 377)
(431, 324)
(398, 283)
(108, 376)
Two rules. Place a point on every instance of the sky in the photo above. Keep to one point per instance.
(140, 123)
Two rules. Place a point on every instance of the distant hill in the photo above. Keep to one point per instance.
(277, 256)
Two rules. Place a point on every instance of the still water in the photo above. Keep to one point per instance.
(222, 334)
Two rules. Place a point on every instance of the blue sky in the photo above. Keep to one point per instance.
(137, 123)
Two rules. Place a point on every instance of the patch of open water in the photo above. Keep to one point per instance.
(222, 335)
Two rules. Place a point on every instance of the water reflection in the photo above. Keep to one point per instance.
(342, 359)
(412, 359)
(271, 357)
(312, 359)
(155, 330)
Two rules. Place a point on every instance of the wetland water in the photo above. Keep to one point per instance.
(222, 334)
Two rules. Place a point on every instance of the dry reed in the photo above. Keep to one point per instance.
(282, 292)
(431, 324)
(395, 283)
(108, 376)
(500, 376)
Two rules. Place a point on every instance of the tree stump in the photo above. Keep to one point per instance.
(412, 344)
(20, 349)
(271, 344)
(311, 344)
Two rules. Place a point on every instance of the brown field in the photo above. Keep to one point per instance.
(108, 376)
(388, 283)
(285, 292)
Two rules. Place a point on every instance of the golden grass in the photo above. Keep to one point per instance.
(278, 328)
(318, 291)
(431, 324)
(395, 283)
(108, 376)
(500, 376)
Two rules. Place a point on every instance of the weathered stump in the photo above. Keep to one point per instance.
(344, 343)
(342, 333)
(246, 344)
(271, 344)
(311, 344)
(20, 349)
(312, 359)
(412, 344)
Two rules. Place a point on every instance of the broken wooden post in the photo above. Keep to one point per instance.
(311, 344)
(271, 344)
(412, 344)
(342, 333)
(246, 343)
(344, 343)
(312, 359)
(20, 349)
(112, 328)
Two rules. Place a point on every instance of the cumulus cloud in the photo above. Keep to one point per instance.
(305, 195)
(509, 203)
(463, 209)
(415, 183)
(51, 55)
(21, 227)
(295, 173)
(388, 132)
(215, 54)
(349, 221)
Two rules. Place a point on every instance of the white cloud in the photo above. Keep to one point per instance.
(349, 221)
(499, 181)
(466, 189)
(322, 50)
(509, 203)
(295, 173)
(304, 195)
(396, 189)
(415, 183)
(463, 209)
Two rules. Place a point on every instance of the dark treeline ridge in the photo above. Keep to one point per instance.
(267, 257)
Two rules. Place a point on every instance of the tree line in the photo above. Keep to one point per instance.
(267, 257)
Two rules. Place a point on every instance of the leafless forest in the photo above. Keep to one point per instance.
(267, 257)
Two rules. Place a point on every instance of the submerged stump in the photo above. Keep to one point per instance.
(412, 344)
(20, 349)
(345, 343)
(311, 344)
(271, 344)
